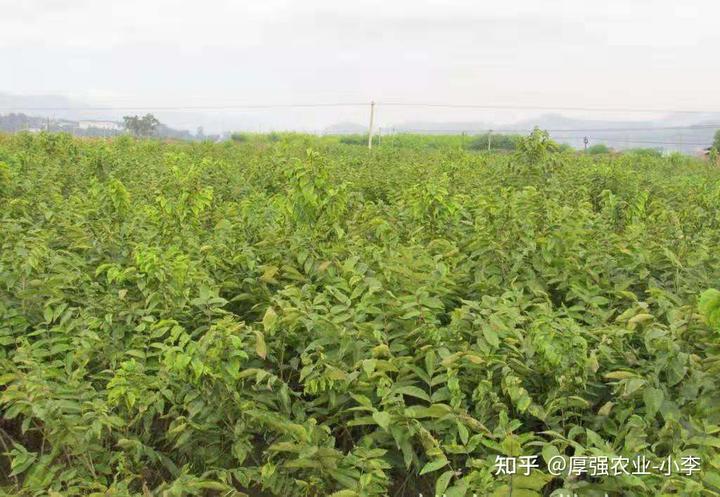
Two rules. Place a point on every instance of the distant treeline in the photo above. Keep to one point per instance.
(478, 142)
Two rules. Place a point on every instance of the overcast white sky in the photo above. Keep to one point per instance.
(616, 53)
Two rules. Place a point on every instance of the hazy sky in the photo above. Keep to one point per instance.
(618, 53)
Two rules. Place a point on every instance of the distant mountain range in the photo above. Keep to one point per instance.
(686, 132)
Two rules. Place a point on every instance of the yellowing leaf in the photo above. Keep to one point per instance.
(640, 318)
(269, 319)
(605, 409)
(268, 275)
(260, 347)
(620, 375)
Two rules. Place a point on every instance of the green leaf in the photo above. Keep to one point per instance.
(709, 307)
(442, 482)
(7, 378)
(549, 451)
(458, 490)
(463, 433)
(491, 336)
(502, 491)
(369, 366)
(712, 479)
(525, 492)
(536, 480)
(653, 398)
(433, 411)
(382, 419)
(21, 460)
(344, 493)
(620, 375)
(413, 392)
(640, 318)
(48, 315)
(407, 451)
(434, 466)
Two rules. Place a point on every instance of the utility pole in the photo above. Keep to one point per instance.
(489, 140)
(370, 128)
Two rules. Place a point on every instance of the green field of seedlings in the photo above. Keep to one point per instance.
(287, 315)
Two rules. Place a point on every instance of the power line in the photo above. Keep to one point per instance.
(542, 107)
(187, 107)
(356, 104)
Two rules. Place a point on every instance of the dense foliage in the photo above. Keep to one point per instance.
(301, 317)
(600, 148)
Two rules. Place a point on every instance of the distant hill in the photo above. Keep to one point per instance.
(52, 106)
